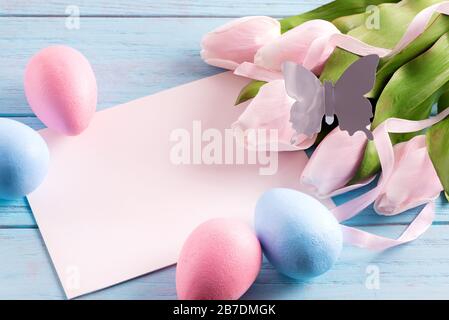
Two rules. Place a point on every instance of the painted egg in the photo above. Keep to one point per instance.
(24, 159)
(219, 261)
(298, 234)
(61, 89)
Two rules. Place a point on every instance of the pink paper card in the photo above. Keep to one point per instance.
(118, 204)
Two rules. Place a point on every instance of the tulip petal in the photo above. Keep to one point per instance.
(333, 164)
(414, 180)
(238, 41)
(319, 51)
(253, 71)
(294, 45)
(225, 64)
(270, 109)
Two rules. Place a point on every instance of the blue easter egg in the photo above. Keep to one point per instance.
(24, 159)
(299, 235)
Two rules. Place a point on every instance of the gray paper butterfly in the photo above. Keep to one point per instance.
(345, 100)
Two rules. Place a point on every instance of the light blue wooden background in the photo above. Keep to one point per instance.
(141, 47)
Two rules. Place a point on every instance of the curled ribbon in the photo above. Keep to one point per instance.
(386, 155)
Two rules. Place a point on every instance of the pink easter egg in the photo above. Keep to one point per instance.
(219, 261)
(61, 89)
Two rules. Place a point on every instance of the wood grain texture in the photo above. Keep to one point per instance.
(151, 8)
(131, 58)
(417, 270)
(142, 47)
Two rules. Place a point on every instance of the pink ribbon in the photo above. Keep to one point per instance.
(363, 239)
(386, 155)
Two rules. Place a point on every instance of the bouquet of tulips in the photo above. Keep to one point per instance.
(412, 39)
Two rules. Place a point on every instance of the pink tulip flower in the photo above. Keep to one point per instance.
(295, 44)
(333, 164)
(270, 109)
(238, 41)
(414, 180)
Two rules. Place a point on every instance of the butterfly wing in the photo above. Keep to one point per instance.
(308, 110)
(353, 110)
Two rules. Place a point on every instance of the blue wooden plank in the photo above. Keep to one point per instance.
(131, 57)
(156, 8)
(416, 270)
(18, 214)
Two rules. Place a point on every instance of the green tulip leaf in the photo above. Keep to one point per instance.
(436, 28)
(410, 94)
(331, 11)
(348, 23)
(438, 145)
(393, 22)
(249, 91)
